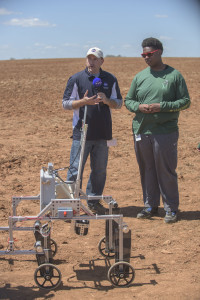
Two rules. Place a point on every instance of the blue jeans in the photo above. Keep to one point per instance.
(98, 151)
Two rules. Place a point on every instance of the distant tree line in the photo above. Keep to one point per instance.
(111, 55)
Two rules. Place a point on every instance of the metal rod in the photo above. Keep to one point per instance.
(121, 254)
(18, 252)
(110, 229)
(83, 140)
(17, 228)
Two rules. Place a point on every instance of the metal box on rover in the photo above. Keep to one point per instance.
(47, 186)
(52, 188)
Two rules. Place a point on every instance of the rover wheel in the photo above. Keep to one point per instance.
(102, 249)
(121, 274)
(54, 247)
(47, 276)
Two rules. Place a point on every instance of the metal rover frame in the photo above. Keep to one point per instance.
(64, 200)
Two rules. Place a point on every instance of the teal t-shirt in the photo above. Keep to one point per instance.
(166, 87)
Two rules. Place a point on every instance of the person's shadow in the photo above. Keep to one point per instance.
(132, 211)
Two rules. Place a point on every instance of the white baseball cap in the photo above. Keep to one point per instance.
(96, 52)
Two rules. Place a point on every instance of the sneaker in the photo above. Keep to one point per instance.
(97, 208)
(170, 217)
(147, 213)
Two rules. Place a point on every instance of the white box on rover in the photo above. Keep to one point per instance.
(47, 186)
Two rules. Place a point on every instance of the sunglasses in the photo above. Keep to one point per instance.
(149, 54)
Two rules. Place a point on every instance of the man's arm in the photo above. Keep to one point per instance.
(115, 101)
(112, 103)
(130, 101)
(181, 102)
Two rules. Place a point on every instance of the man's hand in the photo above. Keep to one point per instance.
(85, 101)
(155, 107)
(101, 97)
(144, 108)
(89, 100)
(149, 109)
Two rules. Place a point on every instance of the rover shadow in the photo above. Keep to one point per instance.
(92, 272)
(85, 273)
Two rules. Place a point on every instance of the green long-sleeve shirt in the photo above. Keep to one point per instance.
(166, 87)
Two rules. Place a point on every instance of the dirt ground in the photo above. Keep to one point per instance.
(35, 130)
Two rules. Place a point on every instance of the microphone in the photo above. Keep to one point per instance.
(97, 83)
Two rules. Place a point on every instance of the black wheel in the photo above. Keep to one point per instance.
(102, 249)
(121, 274)
(54, 247)
(47, 276)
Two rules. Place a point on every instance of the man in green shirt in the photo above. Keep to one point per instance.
(156, 96)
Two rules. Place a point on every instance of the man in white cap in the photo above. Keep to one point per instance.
(80, 91)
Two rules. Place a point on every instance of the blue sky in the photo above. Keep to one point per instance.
(68, 28)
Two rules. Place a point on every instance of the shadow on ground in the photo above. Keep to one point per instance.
(84, 275)
(132, 211)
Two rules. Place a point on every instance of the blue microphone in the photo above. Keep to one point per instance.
(97, 83)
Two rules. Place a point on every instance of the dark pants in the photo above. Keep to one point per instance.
(157, 160)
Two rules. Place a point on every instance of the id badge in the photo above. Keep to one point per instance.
(137, 137)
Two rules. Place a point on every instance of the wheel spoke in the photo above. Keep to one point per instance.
(118, 281)
(129, 273)
(126, 280)
(51, 282)
(43, 282)
(114, 274)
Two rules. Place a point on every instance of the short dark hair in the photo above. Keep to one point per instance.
(152, 42)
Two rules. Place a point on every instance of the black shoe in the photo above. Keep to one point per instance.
(147, 213)
(170, 217)
(97, 208)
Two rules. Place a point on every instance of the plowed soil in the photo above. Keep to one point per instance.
(35, 130)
